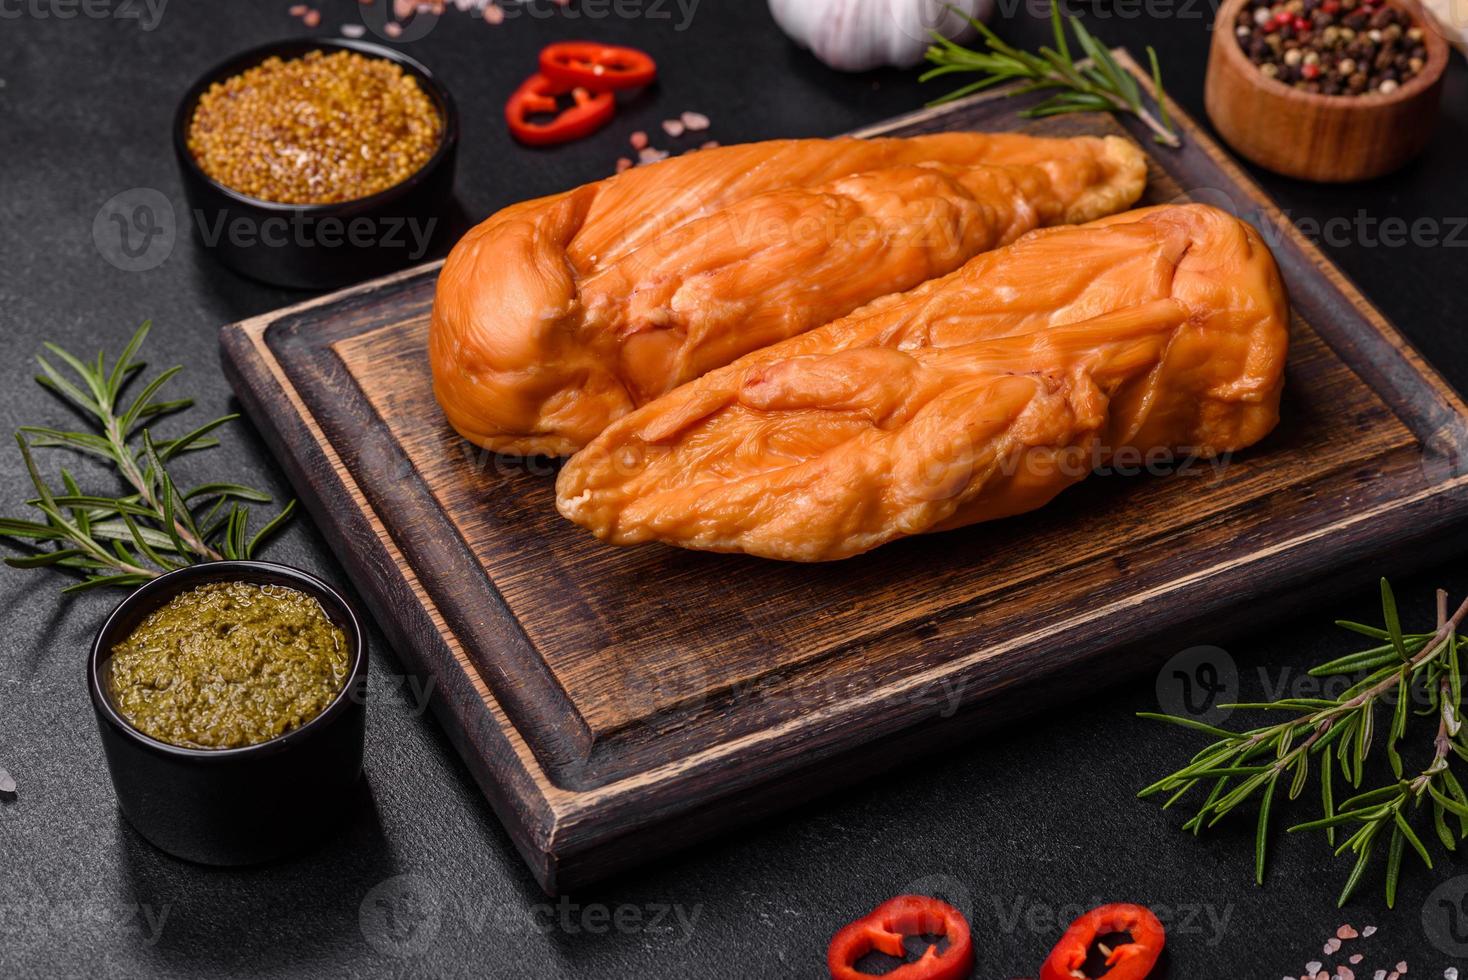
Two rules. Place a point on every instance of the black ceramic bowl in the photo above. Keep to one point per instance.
(319, 246)
(243, 805)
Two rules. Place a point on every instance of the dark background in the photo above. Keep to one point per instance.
(1022, 828)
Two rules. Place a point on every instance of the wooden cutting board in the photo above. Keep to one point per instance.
(616, 704)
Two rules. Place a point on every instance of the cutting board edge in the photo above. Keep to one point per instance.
(467, 709)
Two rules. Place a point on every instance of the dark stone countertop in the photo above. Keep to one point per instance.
(1024, 827)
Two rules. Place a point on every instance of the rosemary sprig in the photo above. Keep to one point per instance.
(1095, 84)
(153, 527)
(1239, 766)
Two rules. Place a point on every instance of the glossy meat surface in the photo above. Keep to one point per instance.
(975, 396)
(556, 316)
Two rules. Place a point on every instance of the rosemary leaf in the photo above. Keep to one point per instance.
(171, 448)
(1158, 92)
(1393, 624)
(1188, 723)
(108, 581)
(271, 526)
(1412, 838)
(1262, 832)
(130, 418)
(1394, 864)
(1363, 856)
(1375, 632)
(1327, 798)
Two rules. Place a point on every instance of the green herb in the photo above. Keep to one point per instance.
(155, 526)
(1095, 84)
(1340, 733)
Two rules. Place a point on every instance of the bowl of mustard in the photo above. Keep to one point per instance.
(317, 162)
(229, 697)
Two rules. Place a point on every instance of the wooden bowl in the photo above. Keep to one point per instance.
(1320, 137)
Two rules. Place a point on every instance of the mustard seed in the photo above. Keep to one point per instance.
(319, 129)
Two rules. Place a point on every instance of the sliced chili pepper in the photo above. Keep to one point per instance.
(537, 94)
(883, 929)
(1128, 961)
(599, 67)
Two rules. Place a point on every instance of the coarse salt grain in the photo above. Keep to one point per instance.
(1379, 975)
(403, 9)
(710, 145)
(353, 30)
(1345, 973)
(1402, 967)
(494, 14)
(695, 121)
(650, 154)
(392, 29)
(673, 127)
(1369, 931)
(1357, 958)
(299, 10)
(1346, 932)
(623, 163)
(638, 140)
(1451, 973)
(1313, 967)
(1331, 945)
(312, 18)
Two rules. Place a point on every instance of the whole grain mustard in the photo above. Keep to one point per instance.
(319, 129)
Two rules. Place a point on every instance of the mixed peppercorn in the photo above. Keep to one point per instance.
(1332, 47)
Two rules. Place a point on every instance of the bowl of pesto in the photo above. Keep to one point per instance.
(229, 700)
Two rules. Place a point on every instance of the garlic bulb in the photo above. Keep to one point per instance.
(854, 35)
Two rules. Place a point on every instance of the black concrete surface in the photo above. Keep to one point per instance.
(1022, 828)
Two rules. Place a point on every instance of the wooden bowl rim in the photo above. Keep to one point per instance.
(1431, 73)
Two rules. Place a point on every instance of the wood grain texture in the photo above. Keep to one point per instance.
(616, 704)
(1330, 138)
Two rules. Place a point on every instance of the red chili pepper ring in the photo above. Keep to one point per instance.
(537, 94)
(884, 929)
(1128, 961)
(599, 67)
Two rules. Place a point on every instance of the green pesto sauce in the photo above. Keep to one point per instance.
(228, 664)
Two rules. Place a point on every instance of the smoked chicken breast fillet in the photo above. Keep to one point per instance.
(558, 315)
(975, 396)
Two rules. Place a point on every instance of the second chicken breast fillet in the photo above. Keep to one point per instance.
(556, 316)
(976, 396)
